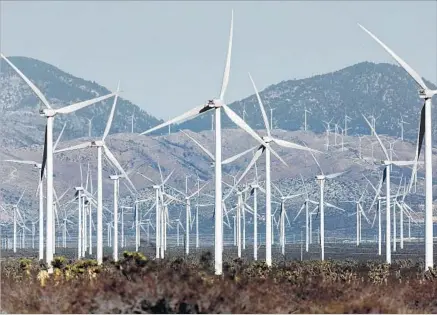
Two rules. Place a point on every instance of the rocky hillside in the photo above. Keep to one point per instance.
(20, 123)
(176, 152)
(380, 89)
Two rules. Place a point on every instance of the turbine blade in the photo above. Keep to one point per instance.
(74, 107)
(377, 137)
(167, 178)
(111, 115)
(76, 147)
(277, 189)
(333, 206)
(277, 156)
(188, 115)
(403, 163)
(288, 144)
(21, 162)
(330, 176)
(237, 156)
(29, 83)
(317, 162)
(242, 124)
(420, 137)
(200, 146)
(364, 214)
(59, 137)
(300, 210)
(263, 112)
(421, 131)
(401, 62)
(228, 60)
(44, 155)
(114, 161)
(254, 158)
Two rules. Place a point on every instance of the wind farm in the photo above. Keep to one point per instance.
(274, 192)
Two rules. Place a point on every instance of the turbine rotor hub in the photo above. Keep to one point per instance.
(97, 143)
(267, 139)
(215, 103)
(47, 112)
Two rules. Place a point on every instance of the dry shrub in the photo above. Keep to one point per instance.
(137, 284)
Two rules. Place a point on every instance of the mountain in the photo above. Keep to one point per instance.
(177, 153)
(20, 123)
(384, 90)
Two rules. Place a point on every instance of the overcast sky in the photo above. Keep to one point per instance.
(170, 56)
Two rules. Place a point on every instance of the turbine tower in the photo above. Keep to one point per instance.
(425, 129)
(49, 113)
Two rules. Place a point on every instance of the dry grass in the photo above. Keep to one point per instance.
(139, 285)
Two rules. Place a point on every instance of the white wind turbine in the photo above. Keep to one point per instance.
(188, 214)
(359, 213)
(216, 105)
(402, 122)
(101, 144)
(16, 216)
(305, 120)
(386, 177)
(211, 156)
(49, 113)
(328, 132)
(321, 180)
(425, 129)
(41, 206)
(307, 214)
(90, 126)
(132, 121)
(346, 120)
(283, 214)
(265, 147)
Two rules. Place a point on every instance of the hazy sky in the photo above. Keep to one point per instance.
(170, 56)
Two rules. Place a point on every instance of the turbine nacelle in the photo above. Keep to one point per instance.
(426, 94)
(97, 143)
(320, 177)
(115, 177)
(215, 103)
(267, 139)
(47, 112)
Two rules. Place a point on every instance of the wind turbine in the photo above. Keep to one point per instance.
(305, 120)
(307, 214)
(90, 126)
(425, 129)
(402, 122)
(359, 213)
(283, 214)
(132, 121)
(386, 177)
(328, 131)
(346, 120)
(101, 144)
(216, 105)
(188, 214)
(271, 116)
(265, 147)
(321, 180)
(41, 206)
(49, 113)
